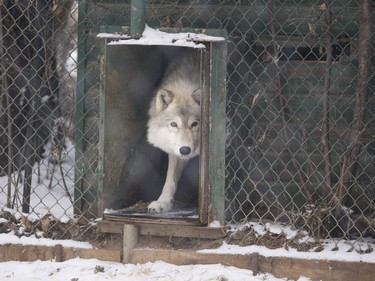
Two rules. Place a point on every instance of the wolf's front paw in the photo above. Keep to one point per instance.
(159, 206)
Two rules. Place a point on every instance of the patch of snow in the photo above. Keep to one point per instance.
(113, 35)
(32, 240)
(152, 37)
(272, 228)
(71, 64)
(334, 250)
(47, 196)
(92, 269)
(215, 224)
(44, 99)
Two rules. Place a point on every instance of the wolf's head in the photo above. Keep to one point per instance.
(174, 123)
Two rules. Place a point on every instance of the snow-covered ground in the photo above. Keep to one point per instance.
(49, 195)
(92, 269)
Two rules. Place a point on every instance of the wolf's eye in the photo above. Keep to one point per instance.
(173, 124)
(194, 124)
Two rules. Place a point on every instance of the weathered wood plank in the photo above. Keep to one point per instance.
(18, 252)
(183, 231)
(317, 269)
(130, 240)
(217, 129)
(281, 267)
(150, 220)
(166, 230)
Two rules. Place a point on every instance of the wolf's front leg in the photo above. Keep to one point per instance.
(165, 201)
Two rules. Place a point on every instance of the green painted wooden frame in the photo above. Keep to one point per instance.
(213, 129)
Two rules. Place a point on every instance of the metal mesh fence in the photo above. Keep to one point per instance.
(300, 142)
(38, 83)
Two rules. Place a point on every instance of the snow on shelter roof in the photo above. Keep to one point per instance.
(152, 36)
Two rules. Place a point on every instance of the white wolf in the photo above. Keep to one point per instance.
(174, 123)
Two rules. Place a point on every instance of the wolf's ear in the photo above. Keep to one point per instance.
(196, 95)
(163, 99)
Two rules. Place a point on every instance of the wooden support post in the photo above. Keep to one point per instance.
(130, 240)
(59, 253)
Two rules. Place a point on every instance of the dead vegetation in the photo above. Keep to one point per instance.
(47, 227)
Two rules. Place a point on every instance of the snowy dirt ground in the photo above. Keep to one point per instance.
(48, 196)
(92, 269)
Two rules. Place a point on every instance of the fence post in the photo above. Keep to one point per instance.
(137, 18)
(130, 240)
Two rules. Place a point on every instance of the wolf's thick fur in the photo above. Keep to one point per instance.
(174, 123)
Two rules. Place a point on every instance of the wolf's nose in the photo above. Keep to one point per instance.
(185, 150)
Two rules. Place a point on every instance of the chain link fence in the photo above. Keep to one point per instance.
(38, 84)
(300, 143)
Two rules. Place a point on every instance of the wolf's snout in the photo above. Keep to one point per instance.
(185, 150)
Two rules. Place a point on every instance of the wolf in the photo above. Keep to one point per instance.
(174, 123)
